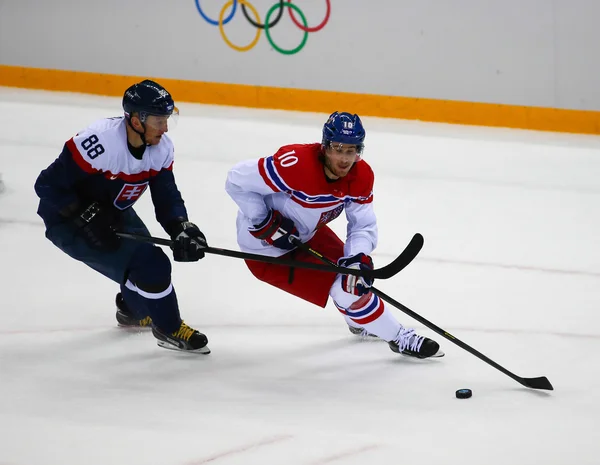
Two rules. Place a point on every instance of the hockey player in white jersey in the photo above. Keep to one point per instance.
(296, 192)
(87, 195)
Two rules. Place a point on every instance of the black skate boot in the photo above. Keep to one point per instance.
(407, 342)
(126, 319)
(185, 339)
(360, 332)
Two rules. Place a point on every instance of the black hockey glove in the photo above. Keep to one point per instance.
(97, 225)
(356, 285)
(188, 241)
(276, 230)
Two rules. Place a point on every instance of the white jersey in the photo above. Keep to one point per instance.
(96, 165)
(293, 182)
(102, 147)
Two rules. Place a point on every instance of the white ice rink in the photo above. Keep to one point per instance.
(511, 266)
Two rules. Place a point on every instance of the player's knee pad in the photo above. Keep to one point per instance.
(150, 269)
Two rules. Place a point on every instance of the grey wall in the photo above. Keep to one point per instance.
(522, 52)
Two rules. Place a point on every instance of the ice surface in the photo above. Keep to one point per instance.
(511, 266)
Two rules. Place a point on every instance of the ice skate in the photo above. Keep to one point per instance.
(185, 339)
(409, 343)
(360, 332)
(126, 319)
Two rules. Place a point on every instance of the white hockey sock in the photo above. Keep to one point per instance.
(367, 311)
(350, 321)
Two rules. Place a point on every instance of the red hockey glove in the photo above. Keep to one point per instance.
(276, 230)
(356, 285)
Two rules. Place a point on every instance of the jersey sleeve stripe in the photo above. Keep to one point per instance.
(274, 180)
(274, 175)
(315, 204)
(271, 177)
(364, 200)
(78, 158)
(323, 201)
(263, 173)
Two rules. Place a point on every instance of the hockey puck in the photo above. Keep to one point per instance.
(463, 393)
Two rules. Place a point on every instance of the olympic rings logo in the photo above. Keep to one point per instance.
(267, 25)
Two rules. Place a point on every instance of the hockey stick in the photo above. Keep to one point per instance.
(534, 383)
(407, 256)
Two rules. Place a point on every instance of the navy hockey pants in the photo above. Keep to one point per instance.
(112, 265)
(142, 270)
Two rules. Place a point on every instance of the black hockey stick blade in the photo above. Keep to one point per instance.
(400, 262)
(533, 383)
(537, 383)
(403, 260)
(407, 255)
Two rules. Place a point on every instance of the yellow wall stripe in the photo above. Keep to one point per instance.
(443, 111)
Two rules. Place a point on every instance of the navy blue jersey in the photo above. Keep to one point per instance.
(96, 165)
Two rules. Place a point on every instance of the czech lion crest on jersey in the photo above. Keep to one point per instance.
(329, 216)
(129, 194)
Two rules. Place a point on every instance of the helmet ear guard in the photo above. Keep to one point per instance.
(345, 128)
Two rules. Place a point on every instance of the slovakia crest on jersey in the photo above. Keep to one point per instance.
(129, 195)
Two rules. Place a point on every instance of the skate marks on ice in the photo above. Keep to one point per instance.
(509, 266)
(239, 450)
(245, 453)
(296, 449)
(18, 222)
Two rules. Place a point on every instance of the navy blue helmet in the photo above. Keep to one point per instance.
(147, 98)
(345, 128)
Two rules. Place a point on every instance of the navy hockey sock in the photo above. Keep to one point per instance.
(149, 288)
(135, 303)
(161, 306)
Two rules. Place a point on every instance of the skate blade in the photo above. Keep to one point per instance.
(166, 345)
(438, 354)
(133, 328)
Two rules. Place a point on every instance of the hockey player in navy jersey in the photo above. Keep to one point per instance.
(87, 196)
(296, 192)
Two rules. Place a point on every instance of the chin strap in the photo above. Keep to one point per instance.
(141, 134)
